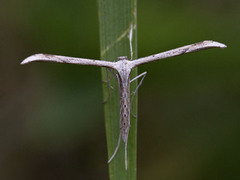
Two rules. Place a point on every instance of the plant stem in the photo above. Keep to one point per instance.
(116, 18)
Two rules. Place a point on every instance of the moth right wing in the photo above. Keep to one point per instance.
(179, 51)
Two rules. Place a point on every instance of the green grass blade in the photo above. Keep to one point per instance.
(116, 18)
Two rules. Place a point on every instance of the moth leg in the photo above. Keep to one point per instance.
(108, 82)
(139, 84)
(116, 150)
(126, 155)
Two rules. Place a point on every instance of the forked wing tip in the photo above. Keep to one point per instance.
(32, 58)
(215, 44)
(43, 58)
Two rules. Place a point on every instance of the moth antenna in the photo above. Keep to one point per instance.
(130, 41)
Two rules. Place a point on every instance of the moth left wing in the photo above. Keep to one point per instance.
(68, 60)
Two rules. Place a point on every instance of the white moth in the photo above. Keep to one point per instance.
(123, 68)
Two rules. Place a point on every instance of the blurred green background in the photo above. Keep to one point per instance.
(51, 115)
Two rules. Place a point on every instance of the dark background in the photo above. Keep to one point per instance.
(51, 115)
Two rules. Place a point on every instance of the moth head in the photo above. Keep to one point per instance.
(122, 58)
